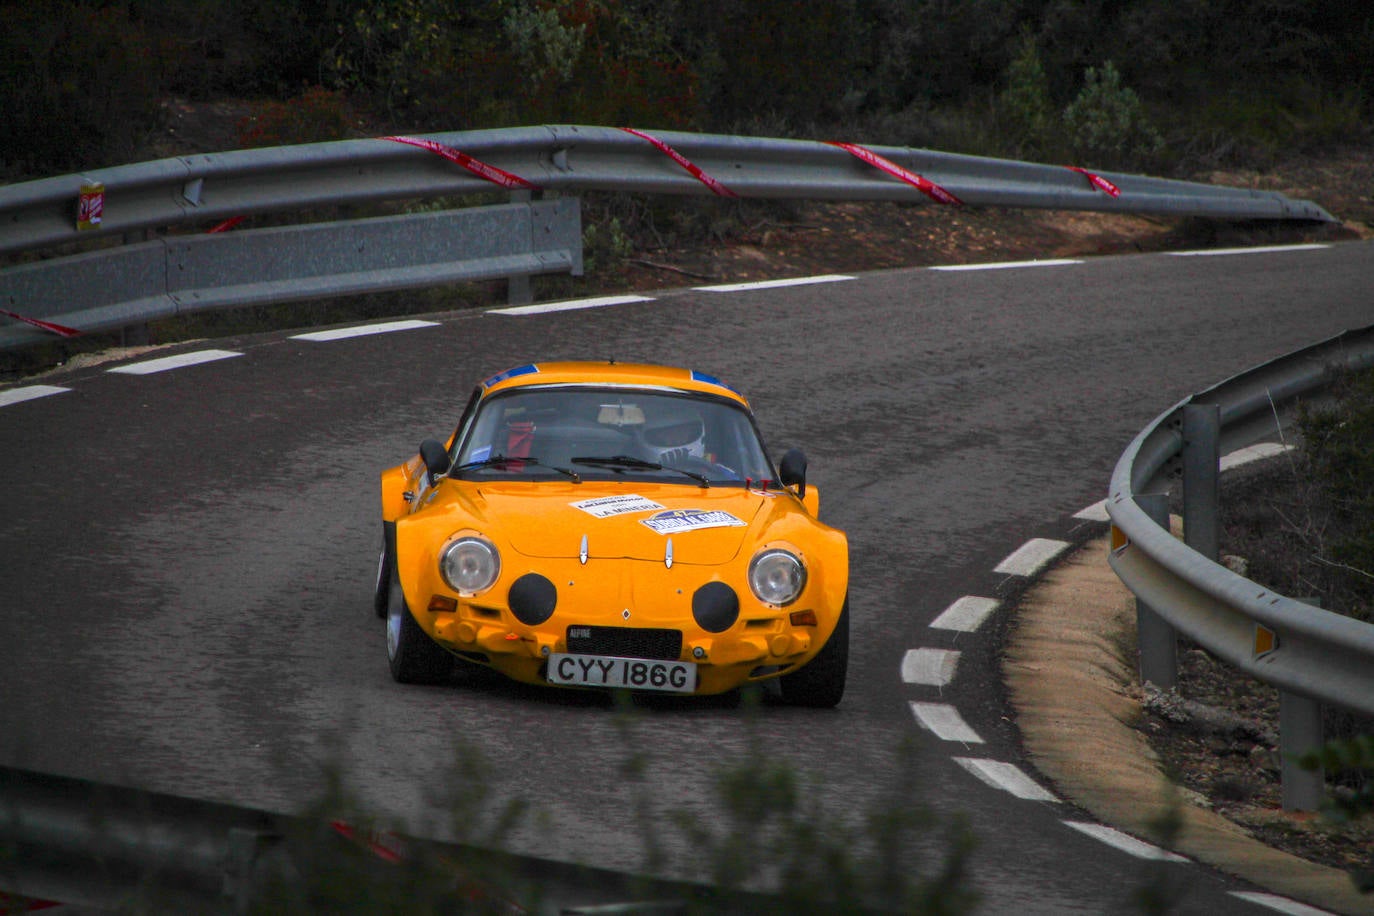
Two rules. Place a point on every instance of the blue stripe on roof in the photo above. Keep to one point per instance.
(527, 369)
(712, 380)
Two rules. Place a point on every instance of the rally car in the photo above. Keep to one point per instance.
(608, 525)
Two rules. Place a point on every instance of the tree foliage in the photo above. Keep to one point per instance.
(1114, 82)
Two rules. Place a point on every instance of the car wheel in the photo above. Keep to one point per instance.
(414, 657)
(820, 683)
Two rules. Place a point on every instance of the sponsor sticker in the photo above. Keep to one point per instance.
(674, 521)
(607, 506)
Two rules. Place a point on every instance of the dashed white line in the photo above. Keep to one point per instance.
(168, 363)
(1256, 452)
(1125, 842)
(364, 330)
(931, 667)
(28, 393)
(1031, 557)
(1280, 904)
(944, 721)
(1007, 777)
(772, 284)
(965, 615)
(569, 305)
(1264, 249)
(1008, 265)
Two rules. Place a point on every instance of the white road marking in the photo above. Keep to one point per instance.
(1097, 512)
(772, 284)
(966, 615)
(1257, 452)
(364, 330)
(1264, 249)
(1008, 265)
(569, 305)
(1280, 904)
(168, 363)
(1125, 842)
(1031, 557)
(932, 667)
(944, 722)
(28, 393)
(1007, 777)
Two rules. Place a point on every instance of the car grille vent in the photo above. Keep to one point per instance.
(625, 642)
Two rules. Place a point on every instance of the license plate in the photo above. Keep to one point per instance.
(630, 673)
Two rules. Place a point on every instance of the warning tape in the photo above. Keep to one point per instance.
(475, 166)
(924, 185)
(716, 187)
(1097, 181)
(58, 329)
(225, 226)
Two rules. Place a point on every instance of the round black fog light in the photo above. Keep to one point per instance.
(715, 607)
(532, 599)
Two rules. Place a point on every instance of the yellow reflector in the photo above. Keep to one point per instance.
(1119, 540)
(803, 619)
(1266, 640)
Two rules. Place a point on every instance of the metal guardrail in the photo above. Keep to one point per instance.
(1292, 645)
(193, 192)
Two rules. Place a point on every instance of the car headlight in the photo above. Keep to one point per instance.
(470, 565)
(777, 577)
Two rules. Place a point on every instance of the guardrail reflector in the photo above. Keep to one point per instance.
(1119, 540)
(1266, 641)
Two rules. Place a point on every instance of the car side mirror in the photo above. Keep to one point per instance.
(792, 471)
(435, 457)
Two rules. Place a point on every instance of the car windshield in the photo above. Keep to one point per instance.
(543, 432)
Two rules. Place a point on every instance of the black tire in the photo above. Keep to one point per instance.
(414, 657)
(820, 683)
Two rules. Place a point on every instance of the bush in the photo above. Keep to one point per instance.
(1106, 123)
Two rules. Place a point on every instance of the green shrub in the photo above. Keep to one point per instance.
(1106, 123)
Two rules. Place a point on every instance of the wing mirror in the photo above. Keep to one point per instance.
(792, 471)
(435, 457)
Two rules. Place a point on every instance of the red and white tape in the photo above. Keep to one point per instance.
(716, 187)
(58, 329)
(1097, 181)
(924, 185)
(481, 169)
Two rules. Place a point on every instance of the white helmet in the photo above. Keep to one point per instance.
(672, 436)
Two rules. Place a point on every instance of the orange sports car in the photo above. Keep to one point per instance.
(606, 525)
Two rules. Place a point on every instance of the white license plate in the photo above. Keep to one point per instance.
(630, 673)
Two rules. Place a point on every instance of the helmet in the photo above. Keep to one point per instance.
(673, 435)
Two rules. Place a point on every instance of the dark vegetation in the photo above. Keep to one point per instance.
(1156, 85)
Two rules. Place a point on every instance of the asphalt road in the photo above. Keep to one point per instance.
(187, 556)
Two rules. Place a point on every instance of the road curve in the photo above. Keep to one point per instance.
(187, 554)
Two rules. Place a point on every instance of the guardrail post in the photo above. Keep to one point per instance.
(1300, 731)
(1156, 640)
(1201, 473)
(518, 290)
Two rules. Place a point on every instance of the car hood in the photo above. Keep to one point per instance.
(705, 526)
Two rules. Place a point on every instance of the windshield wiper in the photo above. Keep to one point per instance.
(638, 464)
(501, 461)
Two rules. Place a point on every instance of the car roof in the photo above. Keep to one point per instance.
(634, 375)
